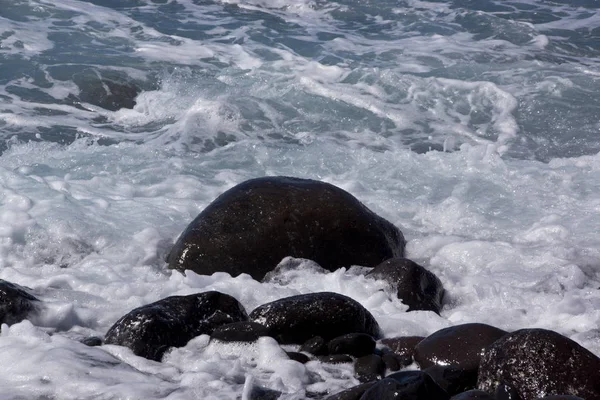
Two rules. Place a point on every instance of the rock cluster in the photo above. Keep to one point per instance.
(253, 226)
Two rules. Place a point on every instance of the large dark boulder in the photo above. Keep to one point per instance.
(251, 227)
(152, 329)
(328, 315)
(537, 362)
(16, 304)
(417, 287)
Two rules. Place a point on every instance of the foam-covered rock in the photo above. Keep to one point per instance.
(417, 287)
(251, 227)
(298, 318)
(16, 304)
(152, 329)
(538, 362)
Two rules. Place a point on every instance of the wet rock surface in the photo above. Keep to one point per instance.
(253, 226)
(460, 346)
(473, 395)
(402, 347)
(417, 287)
(242, 331)
(353, 393)
(369, 368)
(452, 379)
(536, 362)
(406, 385)
(16, 303)
(152, 329)
(354, 344)
(296, 319)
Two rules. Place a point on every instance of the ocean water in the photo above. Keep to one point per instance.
(474, 126)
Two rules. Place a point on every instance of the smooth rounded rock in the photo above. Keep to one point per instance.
(295, 319)
(417, 287)
(537, 362)
(242, 331)
(152, 329)
(406, 385)
(251, 227)
(355, 344)
(460, 346)
(369, 368)
(16, 303)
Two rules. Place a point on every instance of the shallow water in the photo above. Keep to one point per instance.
(471, 125)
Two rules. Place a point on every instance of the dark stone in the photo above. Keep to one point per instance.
(406, 385)
(560, 397)
(242, 331)
(417, 287)
(460, 346)
(355, 344)
(369, 368)
(453, 380)
(403, 347)
(298, 318)
(354, 393)
(261, 393)
(392, 361)
(336, 359)
(107, 89)
(253, 226)
(92, 341)
(316, 346)
(473, 395)
(16, 304)
(506, 392)
(152, 329)
(300, 357)
(536, 362)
